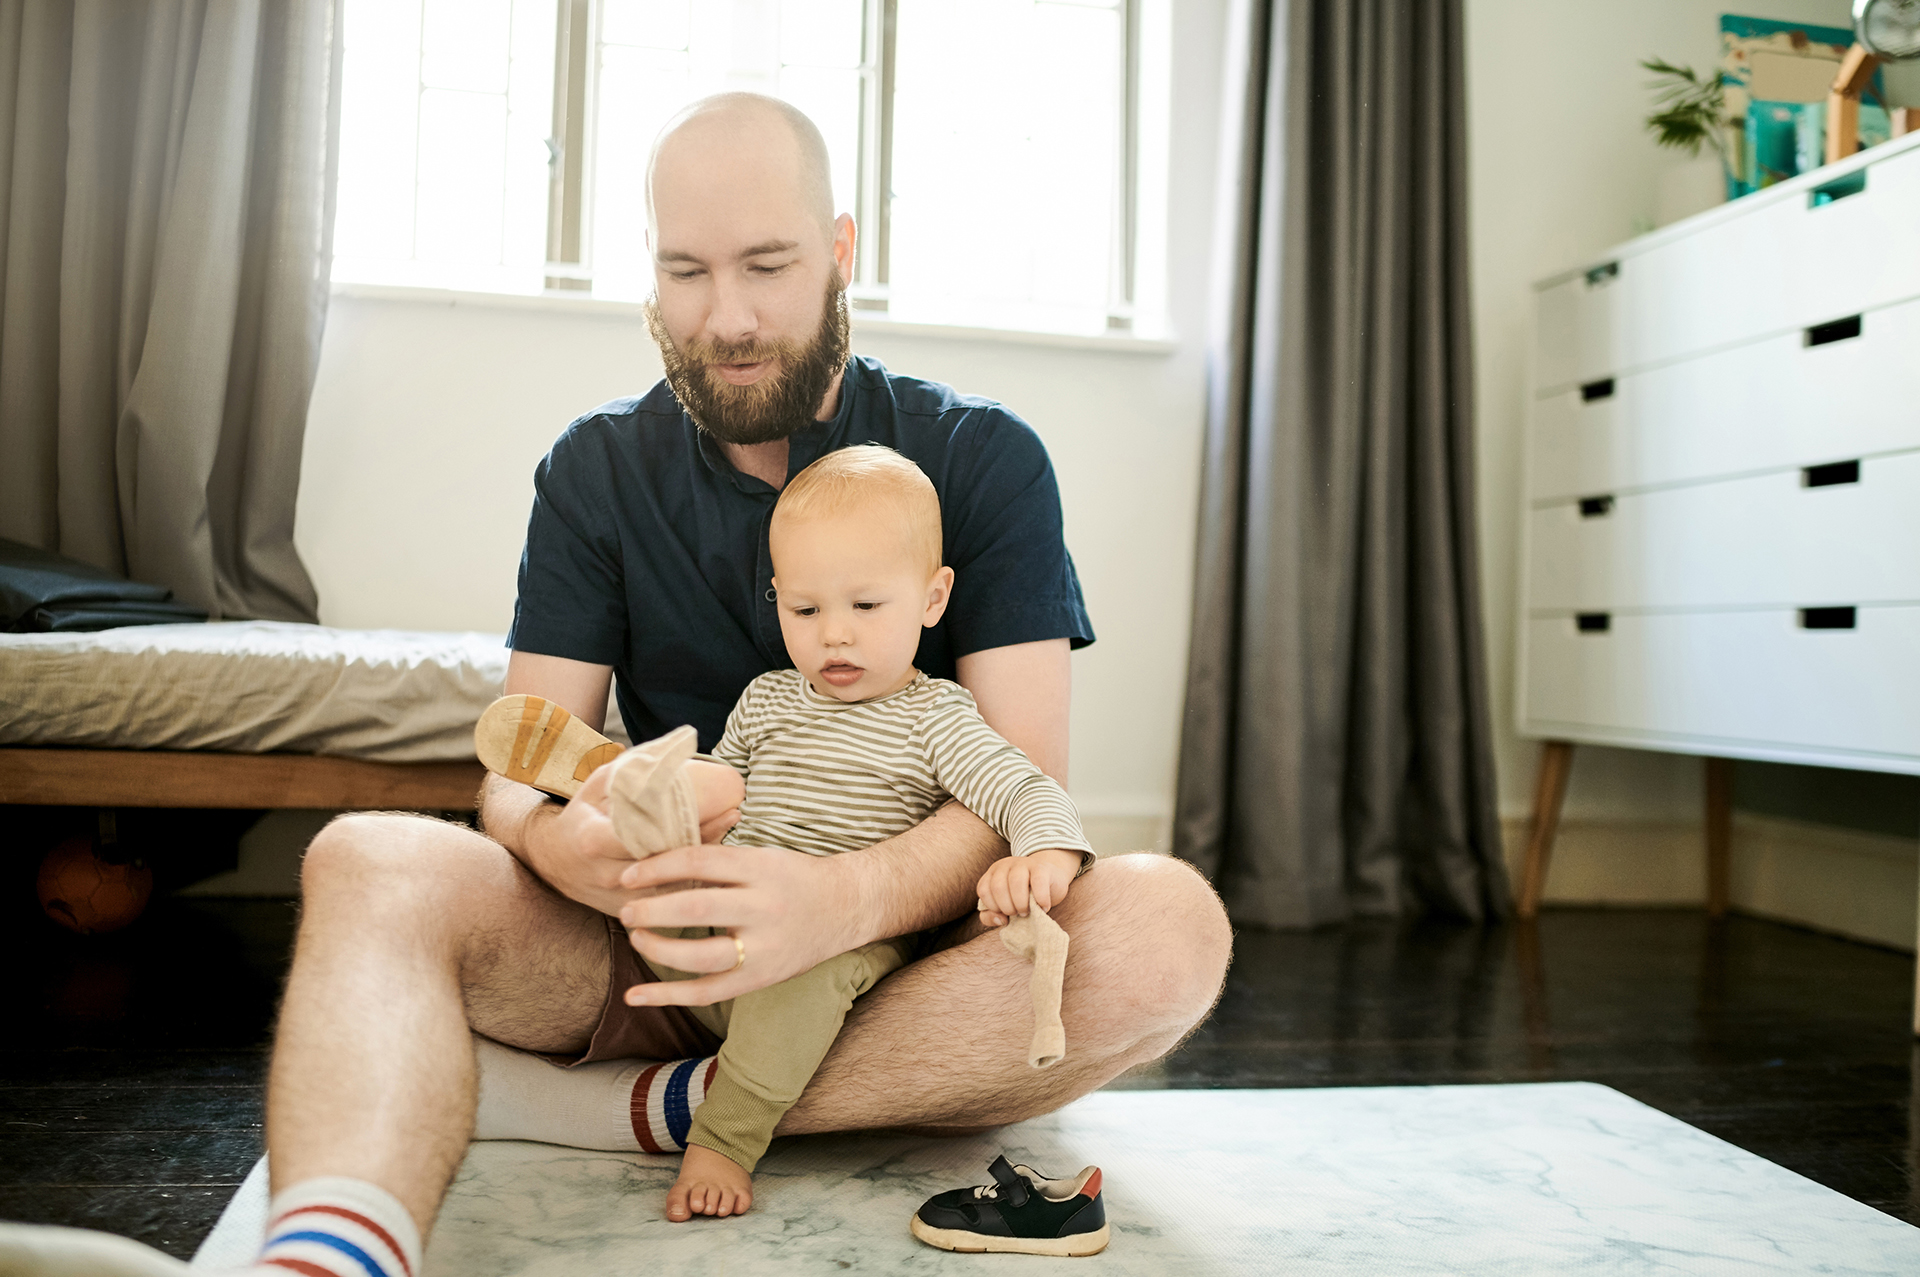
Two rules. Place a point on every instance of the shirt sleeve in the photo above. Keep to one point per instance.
(1014, 581)
(999, 784)
(572, 591)
(736, 742)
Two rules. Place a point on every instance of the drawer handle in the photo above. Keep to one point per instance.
(1601, 389)
(1826, 618)
(1838, 189)
(1603, 274)
(1834, 472)
(1594, 622)
(1595, 507)
(1837, 330)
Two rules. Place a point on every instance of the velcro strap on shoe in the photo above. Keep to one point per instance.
(1013, 1186)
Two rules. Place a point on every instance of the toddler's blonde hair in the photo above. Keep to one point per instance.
(862, 477)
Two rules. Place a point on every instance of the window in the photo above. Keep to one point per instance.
(984, 147)
(444, 116)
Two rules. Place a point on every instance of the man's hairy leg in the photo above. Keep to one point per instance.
(411, 931)
(942, 1043)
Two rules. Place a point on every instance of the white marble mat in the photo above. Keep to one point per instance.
(1527, 1179)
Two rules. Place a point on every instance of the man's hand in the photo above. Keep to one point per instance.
(573, 847)
(791, 911)
(1015, 883)
(574, 850)
(788, 910)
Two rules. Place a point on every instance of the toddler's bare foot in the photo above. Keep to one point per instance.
(710, 1183)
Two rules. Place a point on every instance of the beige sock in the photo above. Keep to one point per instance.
(1040, 938)
(651, 801)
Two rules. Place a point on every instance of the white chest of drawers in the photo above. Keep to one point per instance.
(1721, 551)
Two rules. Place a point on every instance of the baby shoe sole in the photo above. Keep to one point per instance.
(536, 742)
(966, 1243)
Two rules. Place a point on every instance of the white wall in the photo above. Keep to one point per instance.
(430, 414)
(1561, 168)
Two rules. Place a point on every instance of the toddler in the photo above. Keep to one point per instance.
(850, 747)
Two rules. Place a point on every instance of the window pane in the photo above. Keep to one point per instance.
(831, 100)
(640, 89)
(464, 44)
(1006, 161)
(1075, 138)
(529, 123)
(379, 95)
(820, 33)
(445, 107)
(462, 148)
(651, 24)
(805, 51)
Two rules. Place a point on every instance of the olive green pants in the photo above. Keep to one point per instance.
(774, 1039)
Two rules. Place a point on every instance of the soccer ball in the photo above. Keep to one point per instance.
(84, 893)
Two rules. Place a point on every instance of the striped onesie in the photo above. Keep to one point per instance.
(826, 776)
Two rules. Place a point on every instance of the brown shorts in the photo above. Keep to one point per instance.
(641, 1033)
(674, 1033)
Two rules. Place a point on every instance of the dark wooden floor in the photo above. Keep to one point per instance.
(1790, 1044)
(130, 1074)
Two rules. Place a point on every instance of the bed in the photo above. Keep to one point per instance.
(250, 714)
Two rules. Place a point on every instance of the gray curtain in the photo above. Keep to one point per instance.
(1335, 754)
(166, 179)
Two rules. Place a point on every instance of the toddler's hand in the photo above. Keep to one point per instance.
(1015, 883)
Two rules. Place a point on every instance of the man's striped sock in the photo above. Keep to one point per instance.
(664, 1098)
(339, 1227)
(618, 1105)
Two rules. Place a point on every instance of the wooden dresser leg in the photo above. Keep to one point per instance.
(1549, 792)
(1719, 834)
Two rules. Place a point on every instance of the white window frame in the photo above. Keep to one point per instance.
(570, 200)
(1136, 301)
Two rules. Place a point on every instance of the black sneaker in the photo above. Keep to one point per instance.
(1021, 1211)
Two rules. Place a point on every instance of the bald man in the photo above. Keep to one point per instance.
(646, 574)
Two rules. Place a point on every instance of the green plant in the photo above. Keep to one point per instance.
(1689, 110)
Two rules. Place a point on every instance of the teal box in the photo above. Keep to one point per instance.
(1773, 141)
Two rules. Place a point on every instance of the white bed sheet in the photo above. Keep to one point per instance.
(252, 687)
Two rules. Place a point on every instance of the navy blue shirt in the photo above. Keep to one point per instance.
(647, 550)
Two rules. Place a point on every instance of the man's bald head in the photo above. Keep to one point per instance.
(772, 139)
(750, 264)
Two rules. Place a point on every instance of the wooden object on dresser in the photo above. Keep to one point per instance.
(1721, 545)
(174, 778)
(1843, 102)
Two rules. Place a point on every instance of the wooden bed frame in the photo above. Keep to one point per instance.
(169, 778)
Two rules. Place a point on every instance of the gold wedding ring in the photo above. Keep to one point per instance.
(740, 947)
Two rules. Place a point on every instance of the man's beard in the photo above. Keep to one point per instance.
(773, 407)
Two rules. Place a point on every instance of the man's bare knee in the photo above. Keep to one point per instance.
(409, 876)
(1196, 937)
(531, 965)
(391, 851)
(1161, 945)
